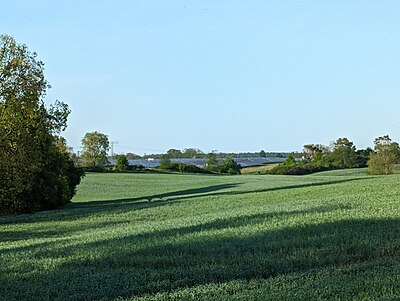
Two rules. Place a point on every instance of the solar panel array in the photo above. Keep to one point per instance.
(244, 162)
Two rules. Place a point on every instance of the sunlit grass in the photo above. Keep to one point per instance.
(328, 236)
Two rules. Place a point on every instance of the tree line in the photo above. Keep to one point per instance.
(343, 155)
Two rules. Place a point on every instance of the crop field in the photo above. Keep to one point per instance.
(258, 169)
(328, 236)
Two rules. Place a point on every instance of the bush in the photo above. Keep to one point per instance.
(136, 168)
(229, 166)
(121, 163)
(299, 169)
(181, 167)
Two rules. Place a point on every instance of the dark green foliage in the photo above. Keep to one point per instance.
(343, 154)
(212, 163)
(318, 158)
(121, 163)
(174, 153)
(362, 157)
(229, 166)
(290, 161)
(57, 181)
(165, 162)
(136, 168)
(180, 167)
(190, 168)
(298, 169)
(131, 156)
(36, 169)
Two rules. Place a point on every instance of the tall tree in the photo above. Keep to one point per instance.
(212, 162)
(386, 154)
(95, 147)
(35, 172)
(315, 153)
(343, 153)
(174, 153)
(121, 163)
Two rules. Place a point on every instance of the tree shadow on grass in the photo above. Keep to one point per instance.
(82, 209)
(235, 248)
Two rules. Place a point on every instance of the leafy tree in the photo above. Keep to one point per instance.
(290, 161)
(212, 163)
(315, 152)
(121, 163)
(191, 153)
(131, 156)
(174, 153)
(95, 148)
(263, 153)
(362, 156)
(165, 162)
(386, 154)
(229, 166)
(36, 168)
(343, 154)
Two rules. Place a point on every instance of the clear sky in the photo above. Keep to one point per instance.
(217, 75)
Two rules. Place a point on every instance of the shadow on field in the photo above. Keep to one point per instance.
(289, 187)
(235, 248)
(83, 209)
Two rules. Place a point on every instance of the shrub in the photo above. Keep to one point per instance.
(229, 166)
(299, 169)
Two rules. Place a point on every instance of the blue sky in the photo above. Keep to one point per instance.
(218, 75)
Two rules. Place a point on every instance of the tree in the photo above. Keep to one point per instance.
(36, 169)
(132, 156)
(290, 161)
(343, 154)
(316, 153)
(362, 157)
(386, 154)
(121, 163)
(229, 166)
(191, 153)
(263, 154)
(165, 162)
(95, 147)
(174, 153)
(212, 162)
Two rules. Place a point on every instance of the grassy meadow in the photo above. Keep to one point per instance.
(328, 236)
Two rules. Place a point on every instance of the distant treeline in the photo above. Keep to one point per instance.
(191, 153)
(342, 155)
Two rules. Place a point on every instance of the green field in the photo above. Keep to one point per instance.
(327, 236)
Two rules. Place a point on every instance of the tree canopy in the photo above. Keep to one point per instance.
(95, 147)
(386, 154)
(36, 169)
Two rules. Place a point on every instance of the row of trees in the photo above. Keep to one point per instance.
(316, 157)
(36, 166)
(96, 145)
(341, 155)
(195, 153)
(226, 166)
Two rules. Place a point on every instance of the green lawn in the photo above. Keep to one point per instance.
(328, 236)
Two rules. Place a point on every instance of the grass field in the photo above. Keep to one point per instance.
(328, 236)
